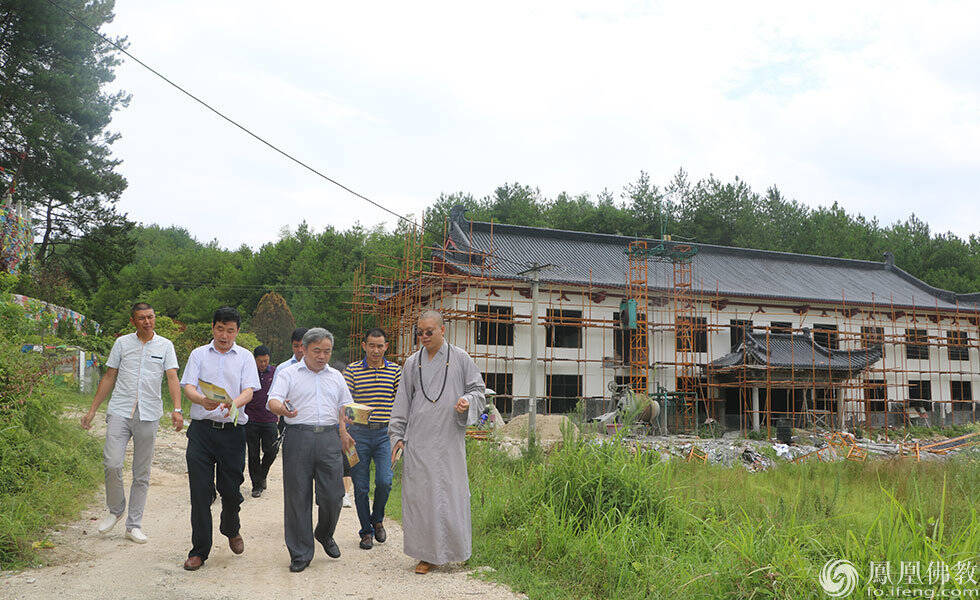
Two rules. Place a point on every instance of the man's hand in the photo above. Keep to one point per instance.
(178, 420)
(277, 407)
(208, 404)
(87, 420)
(462, 405)
(346, 441)
(198, 398)
(399, 445)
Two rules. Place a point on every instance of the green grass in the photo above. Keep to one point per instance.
(49, 467)
(597, 521)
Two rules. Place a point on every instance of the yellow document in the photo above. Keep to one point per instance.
(352, 458)
(358, 413)
(218, 394)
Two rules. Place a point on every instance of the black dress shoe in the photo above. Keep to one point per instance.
(367, 541)
(329, 546)
(256, 492)
(298, 565)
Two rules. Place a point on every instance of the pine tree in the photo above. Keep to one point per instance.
(53, 117)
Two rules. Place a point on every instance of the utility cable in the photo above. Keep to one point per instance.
(227, 118)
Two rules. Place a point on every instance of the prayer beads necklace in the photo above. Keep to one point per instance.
(445, 375)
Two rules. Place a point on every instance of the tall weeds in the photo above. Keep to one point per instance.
(47, 466)
(600, 521)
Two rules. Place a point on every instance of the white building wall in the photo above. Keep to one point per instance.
(598, 344)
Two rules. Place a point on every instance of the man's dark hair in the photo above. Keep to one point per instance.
(261, 350)
(375, 332)
(226, 314)
(139, 306)
(298, 334)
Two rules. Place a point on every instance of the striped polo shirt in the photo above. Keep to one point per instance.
(374, 387)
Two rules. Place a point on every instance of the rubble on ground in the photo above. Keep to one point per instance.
(756, 455)
(730, 449)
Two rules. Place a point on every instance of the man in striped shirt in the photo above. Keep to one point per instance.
(372, 381)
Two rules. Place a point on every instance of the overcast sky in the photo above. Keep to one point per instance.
(872, 105)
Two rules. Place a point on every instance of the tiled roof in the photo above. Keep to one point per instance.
(601, 260)
(797, 351)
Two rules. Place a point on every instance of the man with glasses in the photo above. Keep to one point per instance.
(440, 393)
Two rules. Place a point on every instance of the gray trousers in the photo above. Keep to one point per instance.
(311, 461)
(118, 432)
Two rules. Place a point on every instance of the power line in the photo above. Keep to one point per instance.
(227, 118)
(245, 129)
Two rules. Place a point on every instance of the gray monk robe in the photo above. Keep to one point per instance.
(435, 488)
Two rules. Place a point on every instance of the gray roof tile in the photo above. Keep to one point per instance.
(601, 259)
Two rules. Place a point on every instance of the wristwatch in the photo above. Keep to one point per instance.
(179, 410)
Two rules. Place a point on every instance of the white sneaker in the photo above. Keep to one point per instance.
(136, 534)
(347, 501)
(108, 522)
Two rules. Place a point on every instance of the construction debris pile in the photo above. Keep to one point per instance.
(754, 455)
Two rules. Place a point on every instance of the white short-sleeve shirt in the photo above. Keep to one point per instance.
(233, 370)
(316, 396)
(141, 369)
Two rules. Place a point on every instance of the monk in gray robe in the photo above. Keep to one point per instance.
(440, 393)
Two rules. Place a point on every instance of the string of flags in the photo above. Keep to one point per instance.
(35, 308)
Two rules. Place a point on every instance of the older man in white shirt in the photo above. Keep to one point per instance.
(215, 440)
(311, 395)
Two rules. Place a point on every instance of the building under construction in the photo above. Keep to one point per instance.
(730, 337)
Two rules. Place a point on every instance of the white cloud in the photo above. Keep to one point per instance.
(873, 105)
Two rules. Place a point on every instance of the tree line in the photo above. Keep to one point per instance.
(185, 279)
(56, 158)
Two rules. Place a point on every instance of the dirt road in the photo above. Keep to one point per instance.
(84, 564)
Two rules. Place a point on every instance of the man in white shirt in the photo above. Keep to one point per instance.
(136, 365)
(216, 435)
(311, 395)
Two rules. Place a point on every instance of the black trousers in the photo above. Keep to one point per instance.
(215, 458)
(261, 437)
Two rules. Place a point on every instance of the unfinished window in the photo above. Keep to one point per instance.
(738, 329)
(920, 393)
(563, 328)
(872, 336)
(503, 385)
(958, 343)
(494, 325)
(692, 331)
(825, 335)
(961, 393)
(917, 344)
(563, 392)
(780, 327)
(624, 338)
(875, 393)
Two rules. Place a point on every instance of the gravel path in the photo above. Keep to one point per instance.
(84, 564)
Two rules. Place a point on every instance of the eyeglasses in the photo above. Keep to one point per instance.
(425, 332)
